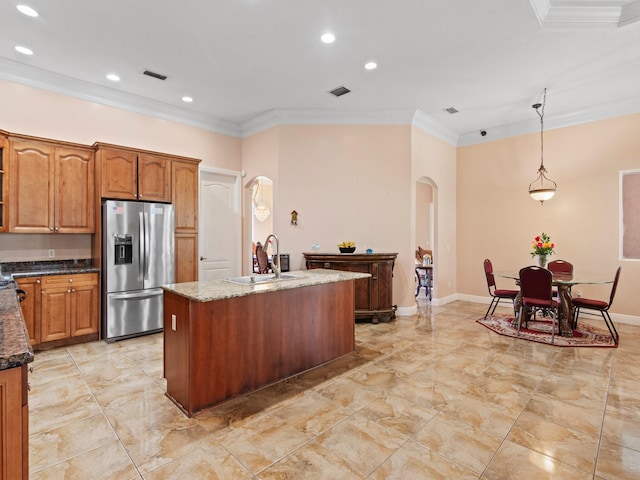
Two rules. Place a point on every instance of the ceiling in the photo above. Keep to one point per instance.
(245, 60)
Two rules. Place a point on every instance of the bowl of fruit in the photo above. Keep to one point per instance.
(347, 247)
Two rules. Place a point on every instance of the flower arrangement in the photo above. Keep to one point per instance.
(542, 245)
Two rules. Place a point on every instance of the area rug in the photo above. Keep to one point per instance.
(540, 331)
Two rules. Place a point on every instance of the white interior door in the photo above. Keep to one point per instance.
(219, 241)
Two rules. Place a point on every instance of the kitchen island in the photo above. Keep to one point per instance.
(15, 354)
(223, 339)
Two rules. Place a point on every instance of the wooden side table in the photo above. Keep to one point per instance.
(374, 295)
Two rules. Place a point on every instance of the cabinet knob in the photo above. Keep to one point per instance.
(51, 229)
(71, 280)
(73, 290)
(37, 281)
(68, 291)
(30, 368)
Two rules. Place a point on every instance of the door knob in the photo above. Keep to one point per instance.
(203, 258)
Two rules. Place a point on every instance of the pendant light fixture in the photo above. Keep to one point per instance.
(542, 188)
(260, 210)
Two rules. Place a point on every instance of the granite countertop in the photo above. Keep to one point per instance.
(45, 268)
(15, 348)
(207, 291)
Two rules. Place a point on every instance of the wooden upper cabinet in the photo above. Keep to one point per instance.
(131, 175)
(50, 188)
(154, 178)
(74, 191)
(185, 195)
(4, 185)
(119, 174)
(31, 189)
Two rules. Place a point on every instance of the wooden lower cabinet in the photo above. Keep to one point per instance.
(374, 295)
(186, 257)
(31, 306)
(60, 308)
(14, 424)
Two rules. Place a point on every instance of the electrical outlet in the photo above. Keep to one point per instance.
(173, 322)
(52, 253)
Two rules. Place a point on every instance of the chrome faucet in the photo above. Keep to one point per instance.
(275, 263)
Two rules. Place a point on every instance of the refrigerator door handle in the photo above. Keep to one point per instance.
(147, 244)
(137, 296)
(141, 256)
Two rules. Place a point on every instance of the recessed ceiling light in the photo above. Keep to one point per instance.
(328, 38)
(113, 77)
(371, 65)
(24, 50)
(187, 99)
(27, 10)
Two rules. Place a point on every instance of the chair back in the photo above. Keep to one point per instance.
(262, 258)
(615, 286)
(488, 272)
(560, 266)
(536, 282)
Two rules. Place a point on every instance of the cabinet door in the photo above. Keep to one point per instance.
(154, 178)
(185, 196)
(74, 186)
(186, 257)
(84, 309)
(31, 191)
(11, 423)
(119, 171)
(56, 307)
(4, 163)
(31, 307)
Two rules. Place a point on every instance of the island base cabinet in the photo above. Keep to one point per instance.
(218, 350)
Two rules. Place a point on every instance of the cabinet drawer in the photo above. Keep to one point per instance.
(59, 281)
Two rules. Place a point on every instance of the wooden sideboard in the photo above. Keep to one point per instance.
(374, 295)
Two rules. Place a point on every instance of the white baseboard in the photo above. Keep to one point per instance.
(438, 302)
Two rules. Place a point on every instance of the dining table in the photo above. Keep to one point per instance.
(563, 281)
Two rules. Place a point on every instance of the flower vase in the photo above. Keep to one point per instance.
(542, 261)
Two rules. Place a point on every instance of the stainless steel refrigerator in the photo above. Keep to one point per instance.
(137, 258)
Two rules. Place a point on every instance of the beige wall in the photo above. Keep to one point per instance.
(497, 219)
(346, 183)
(424, 199)
(359, 183)
(30, 111)
(435, 160)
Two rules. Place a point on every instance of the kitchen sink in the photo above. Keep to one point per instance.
(260, 279)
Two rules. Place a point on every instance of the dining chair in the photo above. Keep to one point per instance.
(560, 266)
(600, 306)
(535, 285)
(262, 259)
(496, 293)
(424, 280)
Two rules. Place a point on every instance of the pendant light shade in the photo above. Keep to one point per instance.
(542, 188)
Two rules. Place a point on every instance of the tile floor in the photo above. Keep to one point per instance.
(433, 396)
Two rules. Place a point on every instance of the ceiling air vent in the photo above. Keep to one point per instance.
(159, 76)
(338, 92)
(451, 110)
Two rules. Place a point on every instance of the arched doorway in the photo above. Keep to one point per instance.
(425, 222)
(258, 213)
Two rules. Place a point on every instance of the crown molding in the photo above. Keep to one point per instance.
(38, 78)
(429, 125)
(586, 13)
(279, 117)
(617, 108)
(630, 13)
